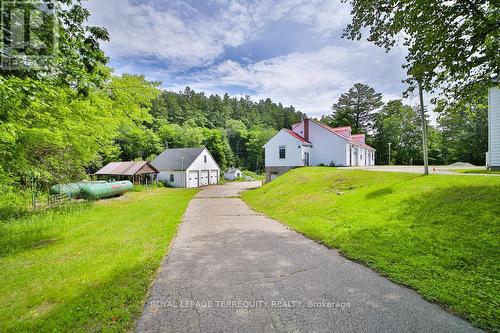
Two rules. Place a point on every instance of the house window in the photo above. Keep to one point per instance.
(205, 158)
(282, 152)
(171, 178)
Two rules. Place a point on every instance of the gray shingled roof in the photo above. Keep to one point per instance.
(171, 159)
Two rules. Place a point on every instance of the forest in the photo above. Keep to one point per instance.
(65, 121)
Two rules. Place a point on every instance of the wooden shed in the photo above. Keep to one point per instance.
(135, 171)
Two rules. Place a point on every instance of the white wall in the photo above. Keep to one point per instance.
(294, 152)
(165, 176)
(181, 179)
(327, 146)
(494, 127)
(200, 164)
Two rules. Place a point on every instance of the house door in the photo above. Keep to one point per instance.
(306, 159)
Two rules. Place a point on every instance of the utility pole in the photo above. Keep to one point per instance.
(390, 143)
(424, 129)
(183, 179)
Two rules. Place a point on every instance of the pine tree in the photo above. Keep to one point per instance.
(355, 108)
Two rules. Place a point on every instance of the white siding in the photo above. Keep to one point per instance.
(199, 164)
(293, 148)
(494, 127)
(165, 176)
(327, 146)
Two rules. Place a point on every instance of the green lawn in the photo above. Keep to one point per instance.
(87, 267)
(439, 234)
(480, 171)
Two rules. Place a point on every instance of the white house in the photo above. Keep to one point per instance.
(187, 167)
(493, 154)
(233, 173)
(313, 143)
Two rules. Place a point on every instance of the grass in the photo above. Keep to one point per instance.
(87, 267)
(254, 175)
(438, 234)
(479, 171)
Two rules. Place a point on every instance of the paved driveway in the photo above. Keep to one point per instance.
(233, 270)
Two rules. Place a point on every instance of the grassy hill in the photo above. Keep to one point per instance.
(438, 234)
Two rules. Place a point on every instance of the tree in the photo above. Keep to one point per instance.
(464, 131)
(452, 45)
(50, 132)
(399, 125)
(75, 60)
(355, 108)
(132, 99)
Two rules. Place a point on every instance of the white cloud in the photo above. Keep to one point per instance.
(187, 37)
(310, 81)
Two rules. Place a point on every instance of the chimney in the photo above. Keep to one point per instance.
(306, 129)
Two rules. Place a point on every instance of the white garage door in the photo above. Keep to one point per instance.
(213, 176)
(204, 178)
(193, 179)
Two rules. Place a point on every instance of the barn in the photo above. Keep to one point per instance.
(187, 167)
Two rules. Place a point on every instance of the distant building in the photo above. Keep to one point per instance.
(493, 154)
(135, 171)
(313, 143)
(187, 167)
(233, 173)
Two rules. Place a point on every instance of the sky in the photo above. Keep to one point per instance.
(288, 50)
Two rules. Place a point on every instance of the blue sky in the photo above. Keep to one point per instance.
(288, 50)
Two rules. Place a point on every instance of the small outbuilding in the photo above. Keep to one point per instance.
(187, 167)
(233, 173)
(135, 171)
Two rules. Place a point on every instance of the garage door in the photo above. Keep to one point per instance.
(214, 176)
(204, 178)
(193, 179)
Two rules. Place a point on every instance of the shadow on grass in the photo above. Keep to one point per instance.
(113, 305)
(390, 189)
(379, 193)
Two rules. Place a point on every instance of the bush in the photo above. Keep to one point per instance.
(13, 204)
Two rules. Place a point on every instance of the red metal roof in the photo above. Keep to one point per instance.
(296, 135)
(334, 130)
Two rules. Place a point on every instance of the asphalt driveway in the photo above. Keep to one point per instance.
(233, 270)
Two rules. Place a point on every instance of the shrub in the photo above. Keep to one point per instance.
(13, 204)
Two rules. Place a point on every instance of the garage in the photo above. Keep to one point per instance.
(214, 175)
(204, 178)
(193, 179)
(187, 167)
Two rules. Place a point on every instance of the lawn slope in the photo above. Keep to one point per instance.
(87, 267)
(438, 234)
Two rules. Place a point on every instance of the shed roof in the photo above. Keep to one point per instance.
(232, 170)
(176, 159)
(127, 168)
